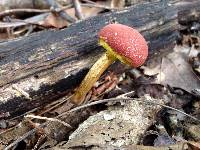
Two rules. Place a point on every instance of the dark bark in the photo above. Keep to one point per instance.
(48, 64)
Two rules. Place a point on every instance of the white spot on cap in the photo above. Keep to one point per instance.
(115, 33)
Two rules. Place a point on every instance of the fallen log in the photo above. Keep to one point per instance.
(44, 66)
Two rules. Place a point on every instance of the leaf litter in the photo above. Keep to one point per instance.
(175, 70)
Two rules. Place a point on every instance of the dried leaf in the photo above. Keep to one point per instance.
(55, 21)
(194, 145)
(175, 71)
(130, 122)
(117, 3)
(87, 11)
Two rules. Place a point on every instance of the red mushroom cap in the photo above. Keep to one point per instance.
(126, 42)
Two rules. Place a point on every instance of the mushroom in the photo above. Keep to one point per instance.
(121, 42)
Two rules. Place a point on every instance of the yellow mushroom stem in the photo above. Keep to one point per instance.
(92, 76)
(96, 71)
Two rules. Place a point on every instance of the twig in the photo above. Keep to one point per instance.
(98, 6)
(89, 1)
(29, 21)
(12, 24)
(49, 119)
(64, 8)
(56, 105)
(31, 111)
(25, 10)
(78, 9)
(93, 103)
(54, 5)
(125, 95)
(30, 30)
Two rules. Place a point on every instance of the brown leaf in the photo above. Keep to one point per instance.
(117, 3)
(194, 145)
(87, 11)
(175, 71)
(53, 20)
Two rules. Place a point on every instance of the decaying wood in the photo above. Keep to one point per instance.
(44, 66)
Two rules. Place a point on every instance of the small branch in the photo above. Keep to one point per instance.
(125, 95)
(49, 119)
(56, 105)
(98, 6)
(25, 10)
(78, 9)
(24, 114)
(64, 8)
(89, 1)
(54, 5)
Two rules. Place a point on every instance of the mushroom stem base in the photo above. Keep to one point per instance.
(92, 76)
